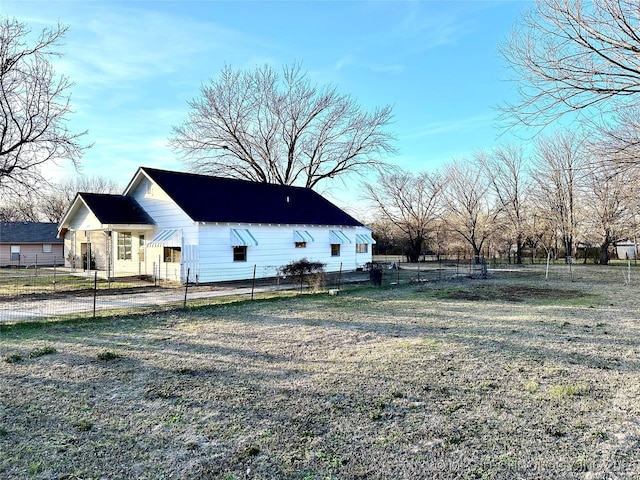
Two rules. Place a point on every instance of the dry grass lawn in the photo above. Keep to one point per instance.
(501, 378)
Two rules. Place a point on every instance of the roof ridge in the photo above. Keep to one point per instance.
(230, 179)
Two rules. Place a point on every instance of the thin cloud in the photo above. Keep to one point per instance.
(118, 48)
(397, 68)
(344, 62)
(449, 126)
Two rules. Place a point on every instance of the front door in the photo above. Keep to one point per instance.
(87, 256)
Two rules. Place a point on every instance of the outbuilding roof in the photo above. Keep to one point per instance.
(205, 198)
(29, 232)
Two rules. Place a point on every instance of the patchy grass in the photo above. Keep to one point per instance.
(494, 379)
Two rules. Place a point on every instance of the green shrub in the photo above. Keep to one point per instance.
(107, 356)
(41, 352)
(564, 391)
(13, 358)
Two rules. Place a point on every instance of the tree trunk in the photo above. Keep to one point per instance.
(519, 247)
(568, 248)
(604, 252)
(477, 254)
(414, 250)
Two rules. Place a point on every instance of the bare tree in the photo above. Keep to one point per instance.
(34, 104)
(266, 127)
(617, 140)
(19, 209)
(57, 198)
(504, 167)
(608, 213)
(559, 174)
(571, 55)
(540, 231)
(471, 211)
(412, 203)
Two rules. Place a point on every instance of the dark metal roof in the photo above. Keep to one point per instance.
(29, 232)
(116, 209)
(214, 199)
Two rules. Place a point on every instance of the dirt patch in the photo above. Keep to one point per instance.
(515, 293)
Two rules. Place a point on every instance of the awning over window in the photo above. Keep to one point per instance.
(337, 236)
(241, 237)
(302, 236)
(364, 238)
(170, 237)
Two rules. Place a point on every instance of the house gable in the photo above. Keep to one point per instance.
(91, 211)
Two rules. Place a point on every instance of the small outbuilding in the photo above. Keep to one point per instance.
(626, 249)
(26, 244)
(173, 224)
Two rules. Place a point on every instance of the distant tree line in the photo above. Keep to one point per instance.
(560, 199)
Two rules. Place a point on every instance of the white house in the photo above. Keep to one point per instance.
(173, 224)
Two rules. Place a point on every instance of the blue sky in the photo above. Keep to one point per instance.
(135, 65)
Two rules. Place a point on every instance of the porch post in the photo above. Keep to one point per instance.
(109, 249)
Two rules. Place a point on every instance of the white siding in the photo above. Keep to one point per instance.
(84, 220)
(276, 247)
(626, 251)
(167, 215)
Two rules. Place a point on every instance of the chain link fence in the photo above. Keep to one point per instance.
(28, 294)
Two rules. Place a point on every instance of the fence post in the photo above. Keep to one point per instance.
(340, 277)
(546, 275)
(186, 288)
(54, 273)
(36, 267)
(95, 292)
(570, 260)
(253, 283)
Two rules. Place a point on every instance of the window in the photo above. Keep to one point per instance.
(335, 249)
(240, 254)
(124, 245)
(172, 254)
(149, 190)
(46, 248)
(15, 252)
(141, 249)
(362, 248)
(301, 244)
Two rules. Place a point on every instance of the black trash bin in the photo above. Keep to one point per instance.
(375, 275)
